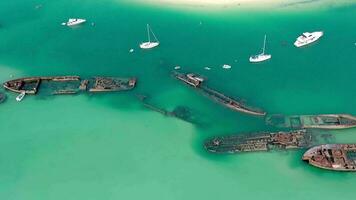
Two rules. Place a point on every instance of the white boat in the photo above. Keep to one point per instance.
(73, 22)
(225, 66)
(20, 96)
(149, 44)
(307, 38)
(262, 56)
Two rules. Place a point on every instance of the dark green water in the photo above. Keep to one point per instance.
(109, 146)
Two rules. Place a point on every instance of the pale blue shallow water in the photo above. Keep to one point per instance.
(109, 146)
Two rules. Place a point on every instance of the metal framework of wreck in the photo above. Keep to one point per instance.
(197, 82)
(337, 157)
(331, 121)
(262, 141)
(68, 84)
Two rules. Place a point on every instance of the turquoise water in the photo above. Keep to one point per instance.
(109, 146)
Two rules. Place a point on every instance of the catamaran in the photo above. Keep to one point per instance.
(149, 44)
(307, 38)
(73, 22)
(262, 56)
(20, 96)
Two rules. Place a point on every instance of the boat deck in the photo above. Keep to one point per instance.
(260, 142)
(338, 157)
(330, 121)
(68, 84)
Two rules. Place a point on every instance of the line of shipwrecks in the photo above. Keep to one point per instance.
(340, 157)
(68, 84)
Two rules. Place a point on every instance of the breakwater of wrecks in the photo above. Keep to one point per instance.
(300, 134)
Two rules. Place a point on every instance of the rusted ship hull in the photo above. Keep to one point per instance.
(30, 85)
(331, 121)
(197, 82)
(69, 84)
(112, 84)
(337, 157)
(231, 103)
(263, 141)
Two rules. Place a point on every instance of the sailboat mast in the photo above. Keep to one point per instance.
(148, 33)
(264, 45)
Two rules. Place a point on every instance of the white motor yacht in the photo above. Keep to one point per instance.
(307, 38)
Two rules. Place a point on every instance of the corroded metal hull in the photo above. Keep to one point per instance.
(68, 84)
(337, 157)
(263, 141)
(330, 121)
(197, 82)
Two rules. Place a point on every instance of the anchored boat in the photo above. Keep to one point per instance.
(196, 81)
(308, 38)
(263, 141)
(149, 44)
(262, 56)
(73, 22)
(338, 157)
(332, 121)
(20, 96)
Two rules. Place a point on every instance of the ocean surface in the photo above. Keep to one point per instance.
(109, 146)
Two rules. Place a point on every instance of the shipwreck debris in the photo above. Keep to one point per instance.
(263, 141)
(197, 82)
(337, 157)
(331, 121)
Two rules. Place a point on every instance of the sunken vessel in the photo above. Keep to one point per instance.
(337, 157)
(263, 141)
(196, 81)
(68, 84)
(330, 121)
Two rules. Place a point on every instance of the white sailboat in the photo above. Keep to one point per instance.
(262, 56)
(20, 96)
(149, 44)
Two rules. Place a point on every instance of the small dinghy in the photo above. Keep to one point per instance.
(225, 66)
(20, 96)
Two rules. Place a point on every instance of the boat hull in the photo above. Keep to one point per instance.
(329, 121)
(260, 58)
(317, 36)
(149, 45)
(334, 157)
(263, 141)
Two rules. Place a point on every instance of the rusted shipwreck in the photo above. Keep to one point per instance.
(196, 81)
(331, 121)
(68, 84)
(264, 141)
(337, 157)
